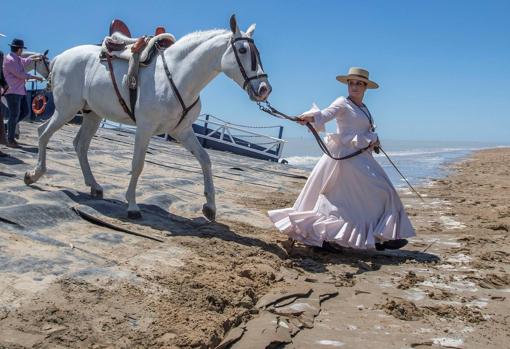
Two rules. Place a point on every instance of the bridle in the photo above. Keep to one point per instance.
(255, 57)
(45, 61)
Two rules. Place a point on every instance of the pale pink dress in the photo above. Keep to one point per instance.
(349, 202)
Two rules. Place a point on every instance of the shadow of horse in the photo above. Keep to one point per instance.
(8, 159)
(308, 258)
(170, 224)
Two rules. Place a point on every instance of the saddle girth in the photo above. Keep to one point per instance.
(122, 102)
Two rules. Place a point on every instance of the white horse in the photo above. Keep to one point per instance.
(81, 81)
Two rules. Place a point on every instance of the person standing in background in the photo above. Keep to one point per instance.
(15, 75)
(3, 89)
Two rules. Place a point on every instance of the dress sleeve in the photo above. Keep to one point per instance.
(335, 110)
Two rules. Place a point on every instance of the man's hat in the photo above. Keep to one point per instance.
(357, 74)
(18, 43)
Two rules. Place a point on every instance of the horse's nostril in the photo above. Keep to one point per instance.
(263, 90)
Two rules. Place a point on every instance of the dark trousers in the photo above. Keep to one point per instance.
(3, 112)
(18, 109)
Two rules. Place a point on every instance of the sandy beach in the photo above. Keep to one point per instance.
(76, 273)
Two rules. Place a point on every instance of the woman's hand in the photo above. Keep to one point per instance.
(374, 144)
(305, 118)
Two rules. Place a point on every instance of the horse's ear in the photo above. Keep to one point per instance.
(250, 30)
(46, 53)
(233, 24)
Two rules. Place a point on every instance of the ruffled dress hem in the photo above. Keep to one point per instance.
(313, 228)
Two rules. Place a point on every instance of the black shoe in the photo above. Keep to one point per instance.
(330, 247)
(391, 245)
(13, 144)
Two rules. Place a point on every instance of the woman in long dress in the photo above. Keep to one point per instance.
(348, 202)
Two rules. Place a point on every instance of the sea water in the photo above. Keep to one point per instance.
(419, 161)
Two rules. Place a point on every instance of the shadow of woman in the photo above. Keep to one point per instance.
(315, 260)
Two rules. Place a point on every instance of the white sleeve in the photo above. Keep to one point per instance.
(335, 110)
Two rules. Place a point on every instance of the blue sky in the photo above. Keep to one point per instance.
(443, 66)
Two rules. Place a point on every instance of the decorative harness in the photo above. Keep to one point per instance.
(185, 110)
(131, 112)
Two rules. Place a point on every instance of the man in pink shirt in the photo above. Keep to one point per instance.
(16, 95)
(3, 88)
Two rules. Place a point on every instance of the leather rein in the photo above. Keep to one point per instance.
(268, 108)
(274, 112)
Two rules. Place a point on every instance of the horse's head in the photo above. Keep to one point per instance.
(41, 65)
(241, 62)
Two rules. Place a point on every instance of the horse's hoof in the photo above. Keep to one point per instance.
(27, 179)
(209, 213)
(96, 193)
(134, 215)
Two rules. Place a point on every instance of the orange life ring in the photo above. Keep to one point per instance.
(39, 104)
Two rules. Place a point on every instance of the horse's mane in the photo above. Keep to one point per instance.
(190, 41)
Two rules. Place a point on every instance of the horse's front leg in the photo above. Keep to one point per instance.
(142, 139)
(189, 140)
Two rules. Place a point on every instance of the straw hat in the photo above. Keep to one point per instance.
(357, 74)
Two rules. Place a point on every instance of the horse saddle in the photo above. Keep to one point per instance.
(120, 44)
(137, 51)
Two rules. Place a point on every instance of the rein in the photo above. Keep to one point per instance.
(268, 108)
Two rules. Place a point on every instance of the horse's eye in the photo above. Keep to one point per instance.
(242, 50)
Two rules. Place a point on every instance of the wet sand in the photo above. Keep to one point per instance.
(187, 283)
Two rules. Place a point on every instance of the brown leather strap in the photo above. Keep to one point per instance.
(139, 45)
(185, 110)
(268, 108)
(119, 96)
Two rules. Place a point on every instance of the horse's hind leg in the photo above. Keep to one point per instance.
(90, 124)
(45, 131)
